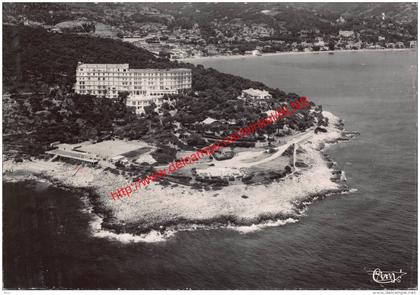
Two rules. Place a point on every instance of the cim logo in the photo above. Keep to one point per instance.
(386, 277)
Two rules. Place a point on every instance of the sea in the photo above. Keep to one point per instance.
(337, 244)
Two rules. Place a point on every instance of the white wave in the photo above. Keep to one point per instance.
(156, 236)
(352, 190)
(244, 229)
(87, 206)
(151, 237)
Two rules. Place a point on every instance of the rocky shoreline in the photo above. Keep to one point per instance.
(143, 221)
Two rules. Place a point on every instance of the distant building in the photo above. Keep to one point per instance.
(319, 41)
(55, 30)
(255, 94)
(119, 158)
(255, 97)
(54, 144)
(223, 154)
(346, 34)
(209, 121)
(341, 20)
(143, 85)
(399, 45)
(146, 158)
(211, 50)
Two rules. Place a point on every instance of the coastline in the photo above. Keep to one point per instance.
(157, 212)
(240, 56)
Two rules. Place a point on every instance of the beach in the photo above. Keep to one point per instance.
(241, 56)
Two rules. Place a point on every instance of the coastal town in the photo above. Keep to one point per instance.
(160, 30)
(194, 46)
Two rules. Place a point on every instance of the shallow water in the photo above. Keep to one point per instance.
(47, 242)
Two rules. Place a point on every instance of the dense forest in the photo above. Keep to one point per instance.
(39, 73)
(34, 55)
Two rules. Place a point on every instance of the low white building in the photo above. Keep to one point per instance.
(255, 97)
(118, 158)
(255, 94)
(146, 158)
(209, 121)
(346, 34)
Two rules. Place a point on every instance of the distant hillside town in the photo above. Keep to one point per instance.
(185, 30)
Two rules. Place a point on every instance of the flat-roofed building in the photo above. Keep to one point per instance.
(346, 34)
(255, 94)
(255, 97)
(74, 156)
(143, 85)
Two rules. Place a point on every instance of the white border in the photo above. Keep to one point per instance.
(304, 292)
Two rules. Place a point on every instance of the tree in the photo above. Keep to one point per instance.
(164, 54)
(196, 141)
(122, 96)
(149, 110)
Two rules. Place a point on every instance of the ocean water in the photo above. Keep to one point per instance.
(47, 241)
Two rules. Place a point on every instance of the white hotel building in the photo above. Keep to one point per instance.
(144, 85)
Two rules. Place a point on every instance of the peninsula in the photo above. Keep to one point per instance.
(262, 180)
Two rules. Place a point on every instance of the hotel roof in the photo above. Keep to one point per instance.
(126, 66)
(161, 70)
(103, 65)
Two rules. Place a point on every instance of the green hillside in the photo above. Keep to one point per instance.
(39, 72)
